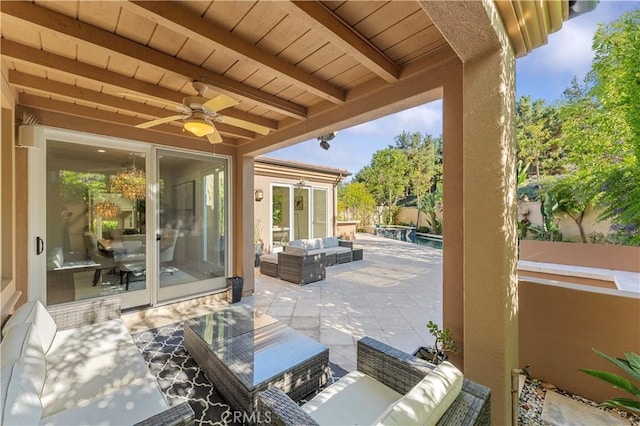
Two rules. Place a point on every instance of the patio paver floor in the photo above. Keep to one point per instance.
(390, 295)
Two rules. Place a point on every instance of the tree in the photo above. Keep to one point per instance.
(537, 135)
(356, 202)
(601, 124)
(424, 163)
(573, 200)
(386, 178)
(616, 84)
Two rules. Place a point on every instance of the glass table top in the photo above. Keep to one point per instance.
(254, 346)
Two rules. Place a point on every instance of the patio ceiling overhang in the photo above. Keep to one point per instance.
(300, 69)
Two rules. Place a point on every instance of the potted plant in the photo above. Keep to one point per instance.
(444, 343)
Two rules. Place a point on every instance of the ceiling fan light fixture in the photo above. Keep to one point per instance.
(198, 127)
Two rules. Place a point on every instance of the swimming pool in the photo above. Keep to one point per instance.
(409, 234)
(429, 241)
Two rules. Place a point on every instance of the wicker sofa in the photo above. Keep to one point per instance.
(305, 261)
(335, 250)
(77, 364)
(389, 387)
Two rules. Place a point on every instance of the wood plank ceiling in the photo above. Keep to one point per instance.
(108, 66)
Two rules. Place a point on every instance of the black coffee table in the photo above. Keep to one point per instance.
(244, 351)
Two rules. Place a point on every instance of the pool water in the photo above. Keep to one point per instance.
(430, 242)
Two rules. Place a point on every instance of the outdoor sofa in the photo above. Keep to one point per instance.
(76, 364)
(390, 387)
(305, 261)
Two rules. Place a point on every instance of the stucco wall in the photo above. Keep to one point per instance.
(606, 256)
(347, 229)
(568, 227)
(559, 326)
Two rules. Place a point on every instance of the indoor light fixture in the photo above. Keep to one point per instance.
(198, 126)
(259, 194)
(131, 183)
(324, 140)
(106, 209)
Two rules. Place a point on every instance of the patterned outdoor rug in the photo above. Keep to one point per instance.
(181, 379)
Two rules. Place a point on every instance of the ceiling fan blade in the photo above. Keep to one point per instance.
(219, 103)
(214, 137)
(245, 125)
(152, 123)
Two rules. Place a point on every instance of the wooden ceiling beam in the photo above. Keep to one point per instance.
(57, 22)
(40, 103)
(179, 19)
(343, 36)
(416, 89)
(74, 68)
(28, 81)
(81, 124)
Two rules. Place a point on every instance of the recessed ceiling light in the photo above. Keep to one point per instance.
(101, 150)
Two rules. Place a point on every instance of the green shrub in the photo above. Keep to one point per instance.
(631, 366)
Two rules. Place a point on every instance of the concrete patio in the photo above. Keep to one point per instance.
(390, 296)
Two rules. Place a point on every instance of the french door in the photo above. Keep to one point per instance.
(298, 212)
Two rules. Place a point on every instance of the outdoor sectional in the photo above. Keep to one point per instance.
(389, 387)
(305, 261)
(76, 363)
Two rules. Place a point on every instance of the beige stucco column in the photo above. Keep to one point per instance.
(242, 240)
(480, 282)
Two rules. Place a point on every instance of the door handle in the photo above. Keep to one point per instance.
(158, 237)
(39, 245)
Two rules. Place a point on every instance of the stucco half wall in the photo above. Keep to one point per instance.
(561, 324)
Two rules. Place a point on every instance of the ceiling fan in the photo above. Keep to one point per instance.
(200, 114)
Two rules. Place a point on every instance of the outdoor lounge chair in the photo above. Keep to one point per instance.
(389, 387)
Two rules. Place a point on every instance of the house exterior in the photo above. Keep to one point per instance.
(294, 200)
(102, 80)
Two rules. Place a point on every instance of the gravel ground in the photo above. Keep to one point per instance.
(532, 401)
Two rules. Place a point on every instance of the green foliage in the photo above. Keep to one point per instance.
(601, 125)
(444, 341)
(387, 178)
(537, 131)
(355, 202)
(75, 186)
(431, 205)
(631, 366)
(573, 200)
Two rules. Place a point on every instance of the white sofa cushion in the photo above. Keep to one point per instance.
(355, 399)
(428, 400)
(90, 361)
(21, 345)
(297, 251)
(331, 242)
(37, 314)
(19, 400)
(125, 406)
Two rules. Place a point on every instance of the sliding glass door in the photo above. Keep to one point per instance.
(192, 236)
(110, 217)
(95, 238)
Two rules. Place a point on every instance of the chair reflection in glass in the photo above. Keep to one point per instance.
(101, 257)
(168, 240)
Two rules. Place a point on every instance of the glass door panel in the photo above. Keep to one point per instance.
(95, 223)
(280, 215)
(319, 213)
(302, 208)
(192, 235)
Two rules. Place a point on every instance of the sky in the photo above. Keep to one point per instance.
(543, 74)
